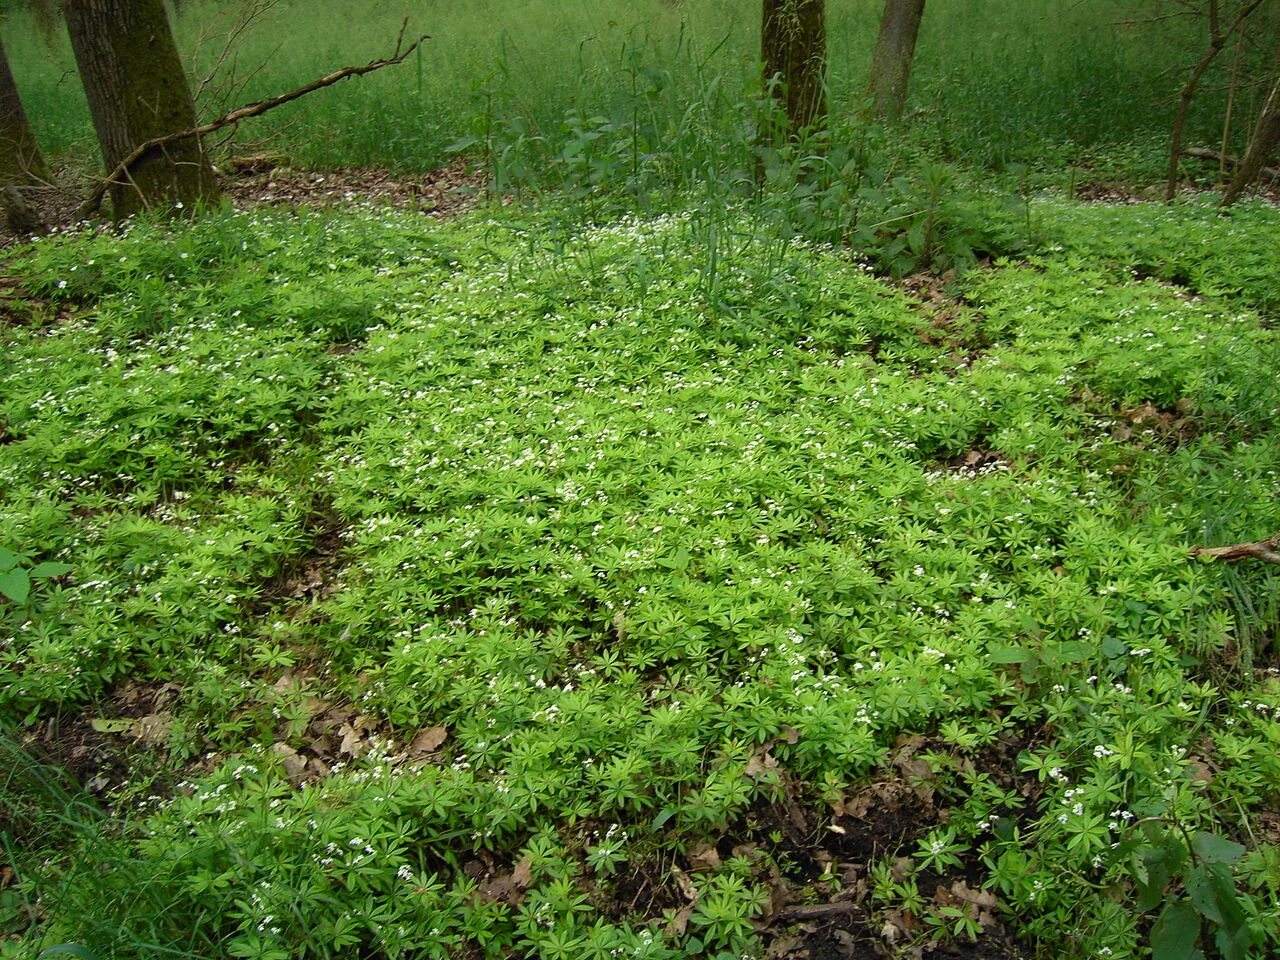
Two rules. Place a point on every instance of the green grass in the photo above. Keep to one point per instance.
(1027, 82)
(500, 563)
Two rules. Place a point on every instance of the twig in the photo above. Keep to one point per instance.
(1268, 550)
(246, 20)
(94, 200)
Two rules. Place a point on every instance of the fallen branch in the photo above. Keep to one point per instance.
(817, 911)
(1268, 550)
(255, 109)
(1204, 153)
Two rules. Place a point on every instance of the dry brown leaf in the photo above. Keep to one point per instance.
(981, 898)
(857, 805)
(1200, 773)
(353, 744)
(785, 948)
(286, 681)
(427, 741)
(522, 874)
(760, 764)
(679, 921)
(295, 766)
(501, 888)
(889, 933)
(152, 729)
(687, 887)
(704, 857)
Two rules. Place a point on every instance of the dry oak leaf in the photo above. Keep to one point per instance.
(295, 766)
(704, 857)
(427, 740)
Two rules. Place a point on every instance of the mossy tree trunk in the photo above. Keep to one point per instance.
(20, 157)
(793, 48)
(891, 62)
(136, 88)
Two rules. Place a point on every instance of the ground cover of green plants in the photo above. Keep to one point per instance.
(505, 588)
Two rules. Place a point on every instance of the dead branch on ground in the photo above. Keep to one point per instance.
(1268, 550)
(122, 169)
(1204, 153)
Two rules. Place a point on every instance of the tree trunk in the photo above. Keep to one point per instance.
(137, 90)
(1264, 142)
(1217, 40)
(891, 62)
(20, 158)
(793, 47)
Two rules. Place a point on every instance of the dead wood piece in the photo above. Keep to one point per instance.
(1268, 550)
(1204, 153)
(818, 911)
(255, 109)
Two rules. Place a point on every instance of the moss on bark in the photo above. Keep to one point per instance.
(136, 88)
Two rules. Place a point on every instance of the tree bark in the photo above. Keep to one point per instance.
(891, 62)
(137, 90)
(20, 157)
(793, 47)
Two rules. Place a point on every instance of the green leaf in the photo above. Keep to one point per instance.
(678, 561)
(665, 814)
(1073, 651)
(1113, 647)
(1203, 896)
(50, 569)
(1211, 848)
(466, 143)
(15, 584)
(1233, 941)
(112, 725)
(8, 559)
(1010, 655)
(1174, 935)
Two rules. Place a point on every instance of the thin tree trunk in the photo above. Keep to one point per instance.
(20, 157)
(1217, 39)
(134, 81)
(891, 62)
(793, 47)
(1264, 142)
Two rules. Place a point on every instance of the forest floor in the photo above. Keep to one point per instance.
(496, 584)
(446, 191)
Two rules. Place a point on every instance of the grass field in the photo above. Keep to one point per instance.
(1026, 81)
(508, 588)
